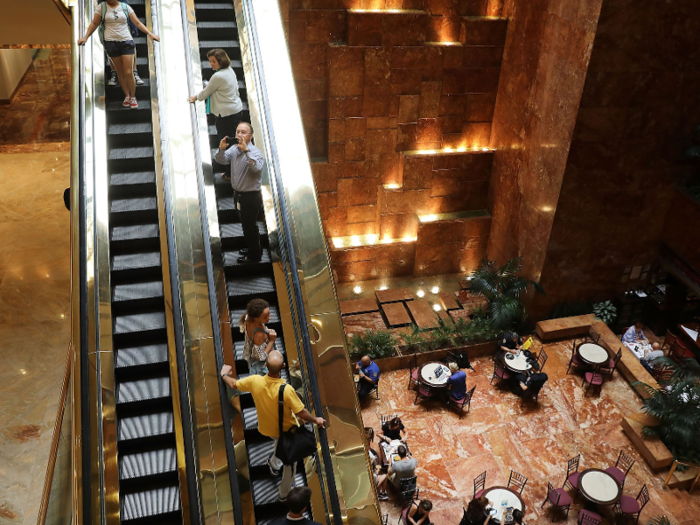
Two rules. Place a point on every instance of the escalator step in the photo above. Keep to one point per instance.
(130, 205)
(216, 25)
(223, 44)
(137, 291)
(149, 463)
(231, 260)
(208, 6)
(234, 230)
(130, 129)
(150, 503)
(225, 204)
(141, 355)
(149, 425)
(238, 349)
(143, 390)
(135, 261)
(133, 233)
(133, 178)
(259, 453)
(235, 64)
(250, 286)
(266, 491)
(132, 324)
(130, 153)
(116, 105)
(235, 315)
(250, 418)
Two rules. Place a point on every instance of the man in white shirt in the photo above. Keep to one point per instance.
(246, 173)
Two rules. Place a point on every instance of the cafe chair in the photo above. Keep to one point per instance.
(587, 517)
(575, 360)
(517, 480)
(593, 379)
(375, 389)
(450, 357)
(622, 467)
(459, 404)
(386, 419)
(499, 371)
(479, 484)
(609, 367)
(593, 336)
(557, 498)
(424, 391)
(572, 474)
(679, 352)
(662, 374)
(669, 340)
(530, 394)
(542, 359)
(408, 490)
(630, 507)
(413, 372)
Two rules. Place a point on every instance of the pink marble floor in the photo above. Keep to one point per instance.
(498, 435)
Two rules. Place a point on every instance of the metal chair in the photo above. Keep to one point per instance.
(587, 517)
(408, 491)
(530, 394)
(424, 391)
(459, 404)
(669, 340)
(450, 357)
(517, 480)
(572, 474)
(679, 351)
(630, 507)
(575, 360)
(622, 467)
(592, 378)
(542, 359)
(593, 336)
(609, 367)
(479, 484)
(499, 371)
(375, 389)
(413, 372)
(557, 498)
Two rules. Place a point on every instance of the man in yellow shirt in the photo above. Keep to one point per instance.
(265, 392)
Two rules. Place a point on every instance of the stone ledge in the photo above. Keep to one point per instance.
(652, 450)
(564, 327)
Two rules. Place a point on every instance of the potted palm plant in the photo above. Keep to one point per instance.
(503, 288)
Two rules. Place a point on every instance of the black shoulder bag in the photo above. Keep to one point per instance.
(295, 444)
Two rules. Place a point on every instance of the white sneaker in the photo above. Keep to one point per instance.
(137, 78)
(113, 81)
(127, 102)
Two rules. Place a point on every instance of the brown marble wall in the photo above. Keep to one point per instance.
(638, 108)
(681, 229)
(544, 68)
(376, 83)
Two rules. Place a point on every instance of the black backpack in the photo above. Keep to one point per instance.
(463, 360)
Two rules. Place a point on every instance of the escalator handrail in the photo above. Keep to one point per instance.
(216, 328)
(286, 237)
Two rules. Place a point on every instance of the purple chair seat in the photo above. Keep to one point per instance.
(479, 494)
(573, 479)
(577, 361)
(414, 375)
(503, 374)
(564, 498)
(611, 364)
(629, 505)
(616, 473)
(424, 391)
(594, 378)
(592, 516)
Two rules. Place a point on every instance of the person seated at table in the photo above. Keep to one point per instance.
(477, 512)
(399, 468)
(634, 333)
(529, 381)
(392, 430)
(369, 376)
(648, 355)
(511, 343)
(457, 382)
(419, 513)
(518, 516)
(373, 456)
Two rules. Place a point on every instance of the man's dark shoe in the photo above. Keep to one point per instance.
(243, 251)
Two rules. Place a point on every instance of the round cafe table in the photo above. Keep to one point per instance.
(517, 364)
(593, 354)
(428, 371)
(497, 495)
(599, 487)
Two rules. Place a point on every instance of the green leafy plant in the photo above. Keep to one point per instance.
(660, 520)
(503, 288)
(374, 343)
(605, 312)
(414, 341)
(676, 408)
(441, 336)
(479, 329)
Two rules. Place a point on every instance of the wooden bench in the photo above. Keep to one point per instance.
(652, 450)
(565, 327)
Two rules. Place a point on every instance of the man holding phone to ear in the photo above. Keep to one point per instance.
(246, 172)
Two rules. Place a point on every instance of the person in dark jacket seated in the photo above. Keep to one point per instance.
(369, 376)
(393, 429)
(511, 343)
(298, 501)
(457, 382)
(476, 512)
(530, 382)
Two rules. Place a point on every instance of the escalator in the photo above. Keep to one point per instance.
(146, 443)
(216, 28)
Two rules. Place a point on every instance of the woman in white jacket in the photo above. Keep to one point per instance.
(226, 103)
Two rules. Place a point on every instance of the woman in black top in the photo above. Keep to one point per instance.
(476, 512)
(419, 513)
(391, 430)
